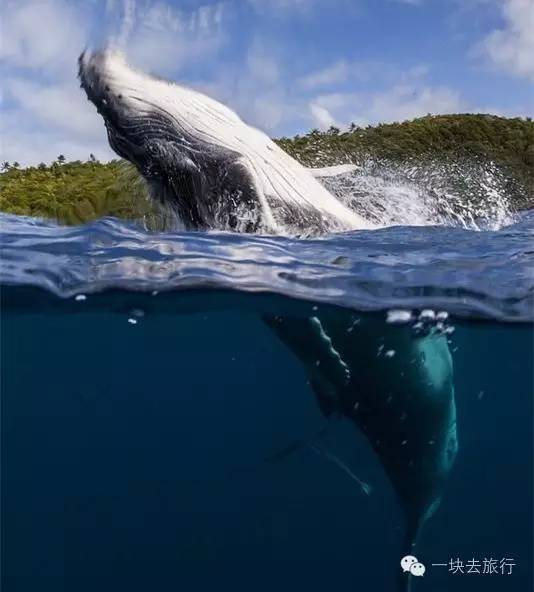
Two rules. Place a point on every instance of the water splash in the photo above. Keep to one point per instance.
(466, 194)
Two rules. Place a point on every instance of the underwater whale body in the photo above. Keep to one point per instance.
(216, 172)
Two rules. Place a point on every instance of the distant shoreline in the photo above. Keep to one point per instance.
(77, 192)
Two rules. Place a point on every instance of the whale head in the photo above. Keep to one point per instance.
(154, 124)
(198, 156)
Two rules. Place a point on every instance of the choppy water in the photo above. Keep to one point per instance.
(142, 393)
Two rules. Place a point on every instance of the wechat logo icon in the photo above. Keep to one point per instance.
(410, 564)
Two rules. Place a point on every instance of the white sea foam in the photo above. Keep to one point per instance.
(467, 194)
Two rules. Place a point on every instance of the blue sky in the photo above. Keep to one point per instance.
(284, 65)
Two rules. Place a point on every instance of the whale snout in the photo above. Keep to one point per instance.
(97, 82)
(90, 72)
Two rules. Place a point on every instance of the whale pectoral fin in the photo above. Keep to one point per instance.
(325, 395)
(294, 447)
(336, 368)
(327, 371)
(333, 171)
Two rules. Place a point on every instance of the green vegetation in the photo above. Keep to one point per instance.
(77, 191)
(74, 192)
(507, 142)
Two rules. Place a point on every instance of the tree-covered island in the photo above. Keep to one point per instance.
(76, 192)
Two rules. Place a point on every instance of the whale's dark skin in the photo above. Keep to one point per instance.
(404, 403)
(202, 184)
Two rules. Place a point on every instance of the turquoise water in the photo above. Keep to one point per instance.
(157, 434)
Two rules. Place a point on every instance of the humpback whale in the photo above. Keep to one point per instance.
(217, 172)
(200, 158)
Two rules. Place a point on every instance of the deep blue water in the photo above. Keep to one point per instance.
(142, 393)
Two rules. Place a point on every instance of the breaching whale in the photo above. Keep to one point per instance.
(217, 172)
(199, 157)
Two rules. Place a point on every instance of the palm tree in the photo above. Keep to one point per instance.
(61, 159)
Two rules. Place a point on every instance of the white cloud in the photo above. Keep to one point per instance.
(268, 111)
(406, 102)
(398, 103)
(62, 106)
(321, 117)
(512, 48)
(159, 37)
(44, 34)
(41, 42)
(262, 64)
(334, 74)
(22, 142)
(31, 148)
(256, 88)
(127, 23)
(44, 113)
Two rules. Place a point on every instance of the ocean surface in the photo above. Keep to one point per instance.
(157, 435)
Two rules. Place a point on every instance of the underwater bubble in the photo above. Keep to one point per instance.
(132, 321)
(390, 353)
(80, 297)
(443, 315)
(399, 316)
(138, 313)
(427, 315)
